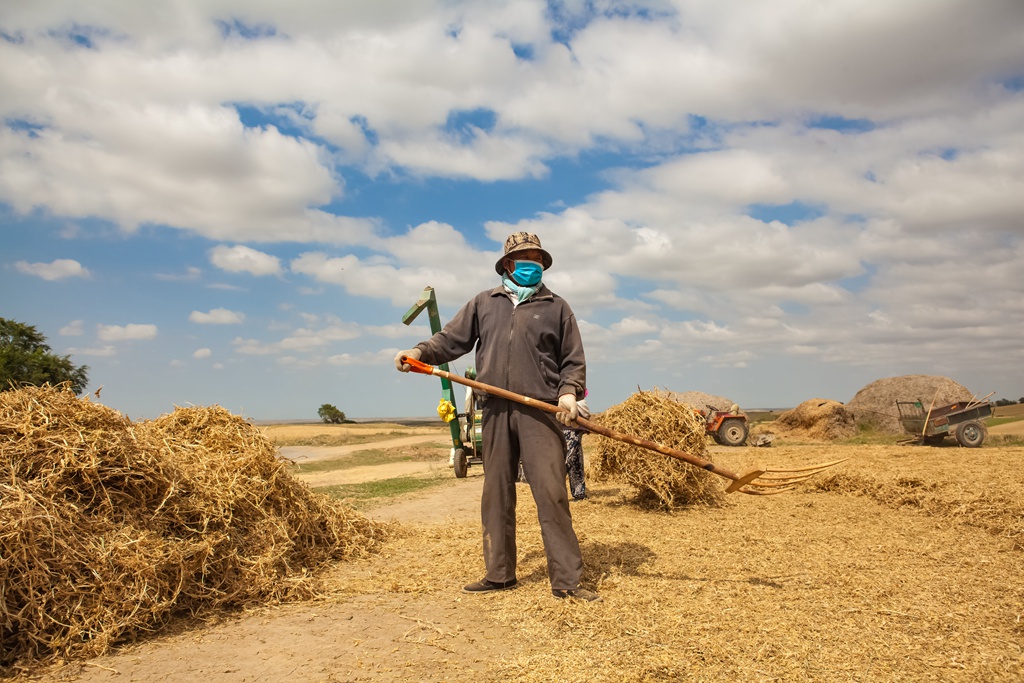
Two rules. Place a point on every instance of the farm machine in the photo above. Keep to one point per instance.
(726, 427)
(467, 437)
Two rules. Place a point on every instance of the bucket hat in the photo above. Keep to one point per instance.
(521, 241)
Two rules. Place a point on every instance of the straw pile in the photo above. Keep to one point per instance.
(697, 399)
(818, 418)
(660, 481)
(109, 528)
(874, 406)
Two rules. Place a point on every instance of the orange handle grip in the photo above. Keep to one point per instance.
(418, 366)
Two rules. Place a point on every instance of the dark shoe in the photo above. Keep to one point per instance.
(576, 593)
(485, 586)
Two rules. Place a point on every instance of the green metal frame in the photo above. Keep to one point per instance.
(429, 302)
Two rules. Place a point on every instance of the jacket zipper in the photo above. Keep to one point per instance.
(508, 358)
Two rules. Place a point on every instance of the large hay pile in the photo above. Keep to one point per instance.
(818, 418)
(697, 399)
(660, 480)
(874, 406)
(108, 528)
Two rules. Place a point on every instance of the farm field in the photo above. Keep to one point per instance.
(904, 563)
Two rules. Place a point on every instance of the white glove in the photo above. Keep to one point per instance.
(583, 408)
(411, 353)
(569, 409)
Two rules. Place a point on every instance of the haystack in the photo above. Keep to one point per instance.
(660, 480)
(109, 528)
(697, 399)
(874, 406)
(818, 418)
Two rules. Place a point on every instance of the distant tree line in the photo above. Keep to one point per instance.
(1008, 402)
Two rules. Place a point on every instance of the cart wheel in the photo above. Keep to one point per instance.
(732, 433)
(970, 434)
(460, 463)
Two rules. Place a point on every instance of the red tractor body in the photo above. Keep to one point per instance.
(727, 427)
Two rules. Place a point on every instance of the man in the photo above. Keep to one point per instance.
(527, 341)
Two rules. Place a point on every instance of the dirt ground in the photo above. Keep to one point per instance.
(810, 586)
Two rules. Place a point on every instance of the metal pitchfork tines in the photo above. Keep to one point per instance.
(758, 480)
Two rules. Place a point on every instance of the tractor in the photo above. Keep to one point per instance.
(726, 427)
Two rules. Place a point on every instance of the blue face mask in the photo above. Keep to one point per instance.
(527, 273)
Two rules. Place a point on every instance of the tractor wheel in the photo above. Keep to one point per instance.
(732, 433)
(460, 463)
(970, 434)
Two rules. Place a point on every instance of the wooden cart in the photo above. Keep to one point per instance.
(962, 420)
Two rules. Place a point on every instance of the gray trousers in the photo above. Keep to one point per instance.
(512, 433)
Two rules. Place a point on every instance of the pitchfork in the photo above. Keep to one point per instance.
(758, 480)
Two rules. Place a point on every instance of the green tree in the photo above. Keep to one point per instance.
(330, 414)
(25, 358)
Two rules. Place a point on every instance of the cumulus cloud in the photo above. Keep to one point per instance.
(58, 269)
(72, 329)
(217, 316)
(130, 332)
(191, 274)
(99, 351)
(838, 182)
(241, 259)
(423, 256)
(202, 353)
(301, 340)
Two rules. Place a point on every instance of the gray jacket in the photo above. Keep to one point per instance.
(533, 349)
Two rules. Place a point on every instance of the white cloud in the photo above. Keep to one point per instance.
(240, 259)
(911, 216)
(217, 316)
(367, 358)
(191, 274)
(57, 269)
(381, 278)
(100, 351)
(72, 329)
(302, 340)
(202, 353)
(130, 332)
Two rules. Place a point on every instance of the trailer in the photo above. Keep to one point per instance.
(963, 421)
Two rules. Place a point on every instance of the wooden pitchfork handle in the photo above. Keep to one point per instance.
(739, 480)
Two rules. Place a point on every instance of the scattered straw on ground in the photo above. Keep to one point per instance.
(842, 581)
(108, 528)
(817, 418)
(828, 583)
(659, 480)
(874, 406)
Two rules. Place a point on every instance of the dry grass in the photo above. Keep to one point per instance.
(658, 480)
(109, 528)
(903, 564)
(817, 418)
(338, 434)
(835, 582)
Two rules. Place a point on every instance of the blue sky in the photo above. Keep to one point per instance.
(234, 202)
